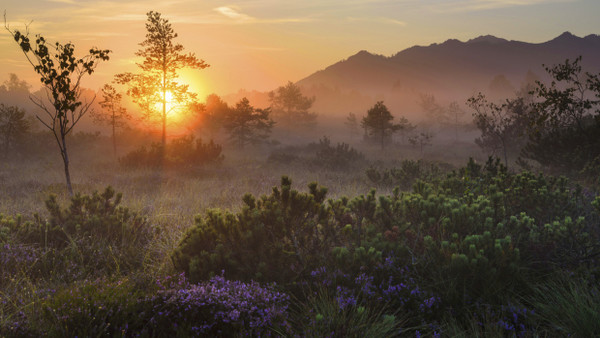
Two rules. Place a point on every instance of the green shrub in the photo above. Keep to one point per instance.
(406, 174)
(93, 235)
(275, 238)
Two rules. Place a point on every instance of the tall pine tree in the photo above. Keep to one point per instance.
(156, 86)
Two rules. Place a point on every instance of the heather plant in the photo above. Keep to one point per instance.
(168, 307)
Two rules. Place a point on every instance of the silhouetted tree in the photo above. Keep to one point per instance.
(60, 74)
(404, 127)
(433, 110)
(456, 114)
(13, 125)
(290, 107)
(113, 113)
(215, 110)
(246, 124)
(352, 123)
(378, 123)
(422, 139)
(150, 89)
(564, 122)
(502, 126)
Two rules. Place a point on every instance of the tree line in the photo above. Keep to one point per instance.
(554, 125)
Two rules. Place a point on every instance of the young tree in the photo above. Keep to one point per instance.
(456, 114)
(13, 125)
(246, 124)
(423, 139)
(60, 74)
(290, 107)
(378, 123)
(352, 124)
(404, 127)
(113, 113)
(502, 126)
(156, 86)
(564, 121)
(433, 111)
(212, 115)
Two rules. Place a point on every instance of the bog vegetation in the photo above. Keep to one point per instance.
(250, 224)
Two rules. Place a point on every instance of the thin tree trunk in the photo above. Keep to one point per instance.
(164, 122)
(114, 139)
(65, 157)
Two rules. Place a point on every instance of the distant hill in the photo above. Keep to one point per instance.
(452, 71)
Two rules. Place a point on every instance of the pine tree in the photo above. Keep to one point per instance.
(290, 107)
(151, 88)
(13, 124)
(246, 124)
(113, 113)
(378, 123)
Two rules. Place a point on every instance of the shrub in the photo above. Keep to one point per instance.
(405, 175)
(340, 157)
(275, 238)
(170, 307)
(94, 234)
(181, 152)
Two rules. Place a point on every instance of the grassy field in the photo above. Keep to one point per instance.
(408, 249)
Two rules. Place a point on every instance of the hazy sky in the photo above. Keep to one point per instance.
(261, 44)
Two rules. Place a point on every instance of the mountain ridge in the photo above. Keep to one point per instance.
(452, 70)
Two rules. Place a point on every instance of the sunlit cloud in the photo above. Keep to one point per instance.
(234, 14)
(378, 20)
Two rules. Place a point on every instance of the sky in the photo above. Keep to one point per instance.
(262, 44)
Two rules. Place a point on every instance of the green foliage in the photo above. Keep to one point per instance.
(246, 124)
(378, 124)
(93, 235)
(405, 175)
(502, 126)
(564, 123)
(568, 306)
(320, 316)
(182, 152)
(290, 108)
(275, 238)
(132, 307)
(60, 74)
(13, 126)
(94, 308)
